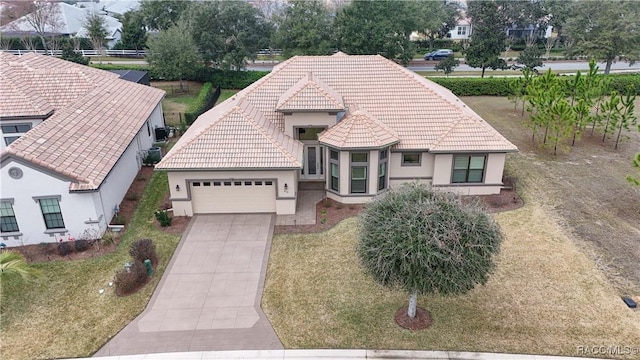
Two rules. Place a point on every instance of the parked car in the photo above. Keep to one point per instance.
(438, 54)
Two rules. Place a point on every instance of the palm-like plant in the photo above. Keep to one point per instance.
(13, 263)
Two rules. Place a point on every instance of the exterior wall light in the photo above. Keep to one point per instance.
(177, 187)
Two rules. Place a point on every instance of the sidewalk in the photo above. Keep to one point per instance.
(337, 355)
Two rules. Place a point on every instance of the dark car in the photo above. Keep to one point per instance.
(438, 54)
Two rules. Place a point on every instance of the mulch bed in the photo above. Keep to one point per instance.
(421, 321)
(49, 251)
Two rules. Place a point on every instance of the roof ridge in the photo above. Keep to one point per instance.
(258, 126)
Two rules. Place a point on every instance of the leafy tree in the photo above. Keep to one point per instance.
(626, 117)
(304, 28)
(610, 113)
(97, 30)
(134, 32)
(426, 242)
(437, 18)
(558, 12)
(488, 37)
(447, 64)
(604, 30)
(530, 57)
(519, 87)
(377, 27)
(161, 15)
(172, 53)
(227, 32)
(69, 54)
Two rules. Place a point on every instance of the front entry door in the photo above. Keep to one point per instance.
(313, 162)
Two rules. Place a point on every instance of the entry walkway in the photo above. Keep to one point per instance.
(209, 297)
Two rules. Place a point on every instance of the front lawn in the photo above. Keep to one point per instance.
(63, 315)
(546, 297)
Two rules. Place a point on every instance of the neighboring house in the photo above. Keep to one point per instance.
(357, 124)
(462, 30)
(70, 20)
(82, 134)
(112, 8)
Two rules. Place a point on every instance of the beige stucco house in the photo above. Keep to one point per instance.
(357, 124)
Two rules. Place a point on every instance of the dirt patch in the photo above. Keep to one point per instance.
(50, 251)
(421, 321)
(584, 188)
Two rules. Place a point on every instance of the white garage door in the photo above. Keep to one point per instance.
(225, 196)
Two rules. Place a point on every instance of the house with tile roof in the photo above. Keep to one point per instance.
(356, 125)
(68, 21)
(73, 141)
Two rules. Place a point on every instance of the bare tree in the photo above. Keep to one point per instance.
(44, 17)
(551, 41)
(4, 43)
(28, 42)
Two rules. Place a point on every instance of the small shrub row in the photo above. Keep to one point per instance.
(133, 278)
(144, 249)
(130, 280)
(69, 247)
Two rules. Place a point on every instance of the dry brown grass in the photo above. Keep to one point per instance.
(546, 297)
(568, 255)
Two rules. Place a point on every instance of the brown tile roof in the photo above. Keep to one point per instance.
(93, 123)
(310, 94)
(357, 130)
(422, 114)
(240, 138)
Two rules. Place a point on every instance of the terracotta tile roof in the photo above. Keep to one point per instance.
(422, 114)
(359, 129)
(240, 138)
(310, 94)
(92, 125)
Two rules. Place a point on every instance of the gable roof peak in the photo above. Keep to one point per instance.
(308, 94)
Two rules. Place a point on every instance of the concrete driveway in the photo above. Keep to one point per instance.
(209, 297)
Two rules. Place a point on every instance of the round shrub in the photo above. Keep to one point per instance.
(144, 249)
(128, 282)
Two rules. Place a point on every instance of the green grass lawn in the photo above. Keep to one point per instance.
(62, 314)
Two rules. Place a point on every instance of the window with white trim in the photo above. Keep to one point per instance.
(51, 213)
(462, 30)
(359, 169)
(382, 169)
(468, 168)
(8, 222)
(334, 164)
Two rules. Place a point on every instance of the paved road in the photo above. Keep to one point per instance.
(429, 66)
(209, 297)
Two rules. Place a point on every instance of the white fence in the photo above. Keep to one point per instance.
(123, 53)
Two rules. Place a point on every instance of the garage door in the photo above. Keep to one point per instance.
(225, 196)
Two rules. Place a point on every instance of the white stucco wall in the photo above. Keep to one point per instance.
(156, 119)
(299, 119)
(285, 199)
(492, 177)
(76, 207)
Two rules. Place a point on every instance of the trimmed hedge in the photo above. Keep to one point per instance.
(206, 100)
(489, 86)
(476, 86)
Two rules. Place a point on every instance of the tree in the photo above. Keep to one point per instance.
(69, 54)
(487, 39)
(626, 116)
(172, 53)
(304, 28)
(377, 27)
(530, 57)
(161, 15)
(44, 18)
(134, 32)
(447, 64)
(227, 32)
(437, 18)
(423, 241)
(605, 30)
(97, 30)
